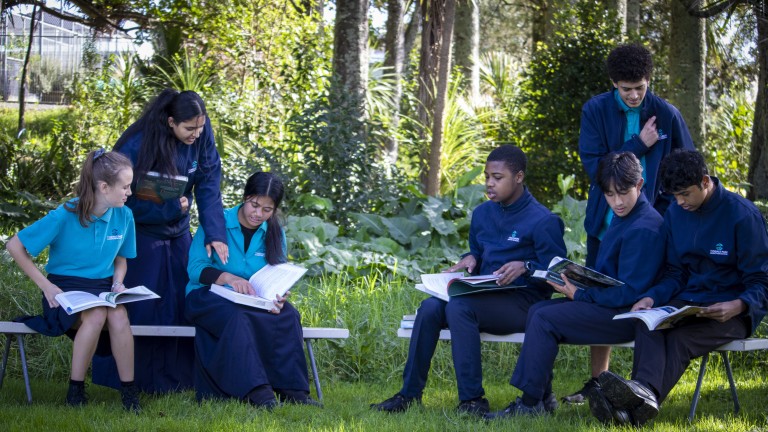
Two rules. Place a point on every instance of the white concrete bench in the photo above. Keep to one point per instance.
(20, 330)
(751, 344)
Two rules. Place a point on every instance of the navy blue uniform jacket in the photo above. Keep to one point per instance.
(201, 163)
(602, 131)
(715, 254)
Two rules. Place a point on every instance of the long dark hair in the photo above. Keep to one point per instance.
(269, 185)
(158, 142)
(99, 166)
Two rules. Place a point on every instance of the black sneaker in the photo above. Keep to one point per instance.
(478, 406)
(130, 396)
(638, 400)
(580, 396)
(516, 409)
(297, 398)
(397, 403)
(604, 410)
(76, 395)
(550, 403)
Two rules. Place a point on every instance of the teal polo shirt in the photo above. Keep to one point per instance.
(87, 252)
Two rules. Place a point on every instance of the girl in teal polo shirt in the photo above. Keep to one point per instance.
(242, 352)
(89, 239)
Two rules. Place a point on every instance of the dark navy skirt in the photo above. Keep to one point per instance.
(238, 348)
(162, 364)
(55, 321)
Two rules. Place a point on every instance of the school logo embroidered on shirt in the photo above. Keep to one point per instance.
(662, 135)
(259, 254)
(718, 250)
(115, 235)
(513, 237)
(193, 169)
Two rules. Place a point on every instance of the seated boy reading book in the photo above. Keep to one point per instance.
(632, 251)
(717, 258)
(510, 235)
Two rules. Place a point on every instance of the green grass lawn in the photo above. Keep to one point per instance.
(346, 408)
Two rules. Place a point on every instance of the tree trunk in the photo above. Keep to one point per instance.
(411, 32)
(538, 23)
(24, 67)
(687, 54)
(350, 55)
(441, 14)
(633, 19)
(620, 6)
(393, 58)
(758, 159)
(466, 45)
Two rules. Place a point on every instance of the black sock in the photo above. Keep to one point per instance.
(529, 400)
(292, 395)
(76, 383)
(125, 384)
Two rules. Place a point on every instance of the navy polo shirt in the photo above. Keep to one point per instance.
(87, 252)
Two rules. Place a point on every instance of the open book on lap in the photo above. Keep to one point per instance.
(446, 285)
(76, 301)
(267, 283)
(663, 317)
(582, 277)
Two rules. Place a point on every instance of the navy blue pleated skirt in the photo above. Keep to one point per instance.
(162, 364)
(238, 348)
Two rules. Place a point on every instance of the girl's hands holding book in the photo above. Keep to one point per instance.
(237, 283)
(50, 291)
(280, 302)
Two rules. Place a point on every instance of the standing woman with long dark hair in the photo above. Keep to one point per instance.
(173, 137)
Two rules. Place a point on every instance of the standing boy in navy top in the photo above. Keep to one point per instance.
(632, 252)
(510, 235)
(627, 118)
(717, 257)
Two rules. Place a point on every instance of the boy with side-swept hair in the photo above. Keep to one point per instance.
(632, 251)
(717, 257)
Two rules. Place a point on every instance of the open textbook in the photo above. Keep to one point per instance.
(267, 283)
(446, 285)
(662, 317)
(157, 187)
(582, 277)
(76, 301)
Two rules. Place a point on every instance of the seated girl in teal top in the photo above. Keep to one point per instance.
(241, 352)
(90, 238)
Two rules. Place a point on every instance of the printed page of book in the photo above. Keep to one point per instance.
(76, 301)
(583, 277)
(243, 299)
(437, 283)
(442, 295)
(129, 295)
(651, 317)
(273, 280)
(473, 280)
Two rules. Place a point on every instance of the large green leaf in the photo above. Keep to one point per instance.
(401, 229)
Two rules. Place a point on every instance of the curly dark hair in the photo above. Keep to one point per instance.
(682, 169)
(630, 62)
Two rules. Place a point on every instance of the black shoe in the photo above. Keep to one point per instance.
(478, 406)
(130, 396)
(550, 403)
(516, 409)
(603, 410)
(580, 396)
(298, 399)
(76, 395)
(397, 403)
(639, 401)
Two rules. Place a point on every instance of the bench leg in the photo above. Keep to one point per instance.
(313, 365)
(729, 373)
(5, 358)
(697, 392)
(22, 351)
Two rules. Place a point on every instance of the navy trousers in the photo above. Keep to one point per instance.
(238, 348)
(162, 364)
(554, 322)
(496, 313)
(662, 356)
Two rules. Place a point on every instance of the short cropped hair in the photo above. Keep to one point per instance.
(682, 169)
(622, 170)
(631, 62)
(512, 156)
